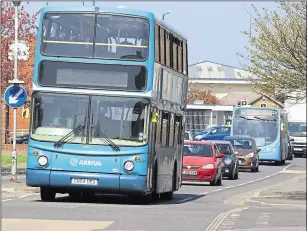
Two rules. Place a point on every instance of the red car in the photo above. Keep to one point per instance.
(202, 162)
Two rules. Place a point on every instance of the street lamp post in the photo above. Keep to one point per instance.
(163, 15)
(15, 81)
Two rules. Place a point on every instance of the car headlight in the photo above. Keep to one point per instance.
(250, 154)
(227, 161)
(42, 160)
(208, 166)
(129, 165)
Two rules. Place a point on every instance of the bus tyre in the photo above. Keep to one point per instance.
(47, 194)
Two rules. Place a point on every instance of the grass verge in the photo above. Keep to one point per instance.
(6, 158)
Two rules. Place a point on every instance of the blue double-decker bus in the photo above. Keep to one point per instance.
(268, 126)
(108, 102)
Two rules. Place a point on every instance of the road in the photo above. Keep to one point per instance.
(194, 208)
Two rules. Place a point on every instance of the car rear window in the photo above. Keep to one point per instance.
(204, 150)
(224, 149)
(242, 144)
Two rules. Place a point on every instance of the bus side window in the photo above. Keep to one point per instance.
(180, 56)
(177, 130)
(175, 53)
(157, 44)
(162, 45)
(185, 58)
(159, 130)
(165, 129)
(168, 50)
(171, 130)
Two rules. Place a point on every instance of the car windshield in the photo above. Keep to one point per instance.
(296, 127)
(123, 120)
(241, 143)
(224, 149)
(262, 127)
(204, 150)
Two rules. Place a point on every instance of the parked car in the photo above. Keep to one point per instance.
(247, 151)
(231, 161)
(214, 133)
(21, 139)
(202, 162)
(188, 135)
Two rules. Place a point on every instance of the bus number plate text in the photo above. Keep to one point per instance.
(84, 181)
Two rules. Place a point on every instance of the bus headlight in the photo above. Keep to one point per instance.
(42, 160)
(129, 165)
(250, 154)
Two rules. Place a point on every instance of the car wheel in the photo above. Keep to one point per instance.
(220, 180)
(24, 142)
(47, 194)
(237, 173)
(214, 182)
(232, 176)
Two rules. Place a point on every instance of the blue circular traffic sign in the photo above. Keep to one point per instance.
(15, 96)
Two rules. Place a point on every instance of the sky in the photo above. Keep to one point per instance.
(214, 29)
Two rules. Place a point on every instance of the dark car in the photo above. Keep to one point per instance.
(246, 150)
(230, 160)
(22, 139)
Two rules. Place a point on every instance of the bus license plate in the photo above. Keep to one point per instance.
(84, 181)
(298, 149)
(193, 173)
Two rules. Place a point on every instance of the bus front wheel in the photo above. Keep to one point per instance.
(47, 194)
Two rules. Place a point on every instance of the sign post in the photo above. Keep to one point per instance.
(15, 96)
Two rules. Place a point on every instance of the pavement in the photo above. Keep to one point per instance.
(194, 207)
(21, 170)
(291, 194)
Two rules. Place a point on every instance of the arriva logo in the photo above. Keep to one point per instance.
(75, 162)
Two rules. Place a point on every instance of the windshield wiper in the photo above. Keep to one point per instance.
(75, 130)
(80, 127)
(244, 117)
(263, 119)
(109, 141)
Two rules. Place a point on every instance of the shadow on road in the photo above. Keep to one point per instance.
(179, 198)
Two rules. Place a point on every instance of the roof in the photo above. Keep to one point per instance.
(270, 98)
(211, 70)
(233, 97)
(239, 137)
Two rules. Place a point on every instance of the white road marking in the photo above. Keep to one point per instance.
(234, 186)
(6, 200)
(27, 195)
(263, 220)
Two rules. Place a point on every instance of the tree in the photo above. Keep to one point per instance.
(277, 53)
(27, 33)
(206, 96)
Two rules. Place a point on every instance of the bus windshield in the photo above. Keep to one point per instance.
(123, 120)
(262, 127)
(95, 36)
(297, 128)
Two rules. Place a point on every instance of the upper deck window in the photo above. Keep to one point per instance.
(107, 36)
